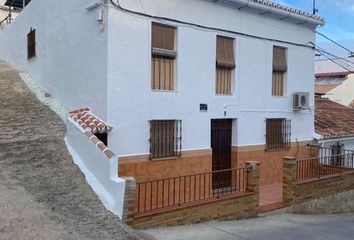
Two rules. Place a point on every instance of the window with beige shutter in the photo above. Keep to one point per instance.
(280, 67)
(225, 64)
(163, 57)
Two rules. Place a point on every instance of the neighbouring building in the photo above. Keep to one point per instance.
(173, 88)
(334, 123)
(335, 80)
(9, 9)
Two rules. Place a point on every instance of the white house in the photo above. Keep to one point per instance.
(184, 86)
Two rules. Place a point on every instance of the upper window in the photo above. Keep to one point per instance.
(225, 64)
(278, 133)
(163, 57)
(165, 138)
(31, 44)
(280, 67)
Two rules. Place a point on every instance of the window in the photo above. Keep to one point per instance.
(280, 67)
(163, 57)
(165, 138)
(278, 133)
(31, 44)
(103, 137)
(225, 64)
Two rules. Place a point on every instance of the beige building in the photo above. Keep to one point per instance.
(335, 80)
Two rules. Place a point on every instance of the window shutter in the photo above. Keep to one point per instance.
(157, 36)
(279, 59)
(163, 41)
(225, 56)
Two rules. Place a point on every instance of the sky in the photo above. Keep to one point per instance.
(339, 15)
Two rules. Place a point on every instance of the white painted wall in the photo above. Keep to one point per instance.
(110, 72)
(100, 172)
(131, 102)
(71, 62)
(344, 93)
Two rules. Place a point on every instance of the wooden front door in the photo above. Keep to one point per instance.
(221, 137)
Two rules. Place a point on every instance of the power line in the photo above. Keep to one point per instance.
(333, 41)
(117, 5)
(323, 54)
(331, 54)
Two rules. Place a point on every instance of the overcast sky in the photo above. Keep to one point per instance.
(339, 15)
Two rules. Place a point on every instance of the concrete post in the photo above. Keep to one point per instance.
(129, 199)
(289, 178)
(253, 176)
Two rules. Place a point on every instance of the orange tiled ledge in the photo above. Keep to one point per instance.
(91, 124)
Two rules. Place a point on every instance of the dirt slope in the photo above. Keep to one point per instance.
(43, 195)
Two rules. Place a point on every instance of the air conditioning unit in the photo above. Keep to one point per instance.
(301, 101)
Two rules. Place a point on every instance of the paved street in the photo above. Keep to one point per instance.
(281, 227)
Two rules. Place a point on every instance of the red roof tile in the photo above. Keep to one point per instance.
(89, 122)
(333, 119)
(351, 104)
(91, 125)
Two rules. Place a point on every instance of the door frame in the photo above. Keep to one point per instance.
(221, 145)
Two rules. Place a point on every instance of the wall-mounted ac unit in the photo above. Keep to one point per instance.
(300, 101)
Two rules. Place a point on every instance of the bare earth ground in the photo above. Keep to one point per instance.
(43, 195)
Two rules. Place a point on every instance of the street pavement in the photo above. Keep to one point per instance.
(277, 227)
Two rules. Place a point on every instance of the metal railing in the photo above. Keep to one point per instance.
(178, 191)
(322, 166)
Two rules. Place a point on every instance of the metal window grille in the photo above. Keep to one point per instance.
(165, 138)
(31, 44)
(278, 133)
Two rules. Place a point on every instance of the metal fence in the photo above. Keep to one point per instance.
(174, 192)
(326, 164)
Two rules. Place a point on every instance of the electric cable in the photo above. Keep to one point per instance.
(118, 6)
(335, 57)
(325, 55)
(333, 41)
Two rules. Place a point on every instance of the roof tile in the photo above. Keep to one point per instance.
(92, 124)
(89, 122)
(333, 119)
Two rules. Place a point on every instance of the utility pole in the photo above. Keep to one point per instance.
(23, 4)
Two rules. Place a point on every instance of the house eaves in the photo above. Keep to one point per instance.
(275, 10)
